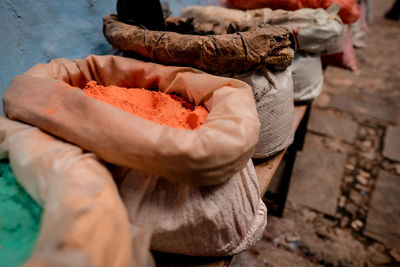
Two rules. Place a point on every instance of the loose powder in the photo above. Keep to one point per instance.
(19, 219)
(159, 107)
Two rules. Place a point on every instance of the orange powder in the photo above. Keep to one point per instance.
(159, 107)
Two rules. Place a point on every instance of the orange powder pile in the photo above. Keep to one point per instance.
(159, 107)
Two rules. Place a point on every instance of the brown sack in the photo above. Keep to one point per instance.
(49, 97)
(84, 221)
(226, 53)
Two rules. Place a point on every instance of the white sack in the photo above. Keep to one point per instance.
(273, 92)
(218, 220)
(313, 28)
(307, 76)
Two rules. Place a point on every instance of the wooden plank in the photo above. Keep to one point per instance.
(265, 168)
(175, 260)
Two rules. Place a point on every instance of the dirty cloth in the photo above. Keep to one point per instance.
(84, 222)
(313, 29)
(349, 10)
(50, 97)
(159, 107)
(238, 52)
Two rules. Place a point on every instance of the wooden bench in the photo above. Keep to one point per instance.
(266, 171)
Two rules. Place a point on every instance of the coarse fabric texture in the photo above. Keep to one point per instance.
(312, 28)
(273, 92)
(237, 52)
(84, 221)
(19, 217)
(349, 10)
(218, 220)
(50, 97)
(307, 76)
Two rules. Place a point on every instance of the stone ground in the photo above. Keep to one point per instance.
(343, 205)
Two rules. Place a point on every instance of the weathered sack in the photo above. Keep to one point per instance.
(218, 220)
(312, 28)
(49, 96)
(84, 221)
(273, 92)
(307, 81)
(226, 53)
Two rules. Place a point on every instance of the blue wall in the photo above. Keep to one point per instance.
(33, 31)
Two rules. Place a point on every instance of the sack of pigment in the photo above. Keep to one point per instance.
(159, 167)
(225, 53)
(84, 222)
(50, 97)
(312, 28)
(307, 76)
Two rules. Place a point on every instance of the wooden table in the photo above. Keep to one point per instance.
(265, 170)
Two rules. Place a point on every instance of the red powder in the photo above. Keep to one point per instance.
(159, 107)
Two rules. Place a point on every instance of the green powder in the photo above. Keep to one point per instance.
(19, 219)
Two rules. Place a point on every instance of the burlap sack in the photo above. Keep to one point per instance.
(313, 28)
(273, 92)
(219, 220)
(84, 221)
(49, 96)
(308, 79)
(238, 52)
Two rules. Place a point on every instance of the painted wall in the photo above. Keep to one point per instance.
(36, 31)
(33, 31)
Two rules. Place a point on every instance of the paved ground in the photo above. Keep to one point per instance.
(343, 205)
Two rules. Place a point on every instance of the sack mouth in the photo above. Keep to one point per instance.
(237, 52)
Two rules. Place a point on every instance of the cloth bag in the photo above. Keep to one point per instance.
(312, 28)
(307, 81)
(84, 222)
(219, 220)
(273, 93)
(49, 96)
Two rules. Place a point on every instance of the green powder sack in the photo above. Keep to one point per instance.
(19, 219)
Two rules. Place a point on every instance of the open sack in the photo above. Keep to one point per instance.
(49, 96)
(158, 166)
(217, 54)
(85, 222)
(313, 28)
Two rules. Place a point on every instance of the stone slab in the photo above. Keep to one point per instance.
(316, 179)
(391, 149)
(383, 220)
(333, 126)
(380, 112)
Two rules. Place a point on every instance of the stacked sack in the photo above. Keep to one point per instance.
(316, 31)
(191, 192)
(340, 53)
(259, 56)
